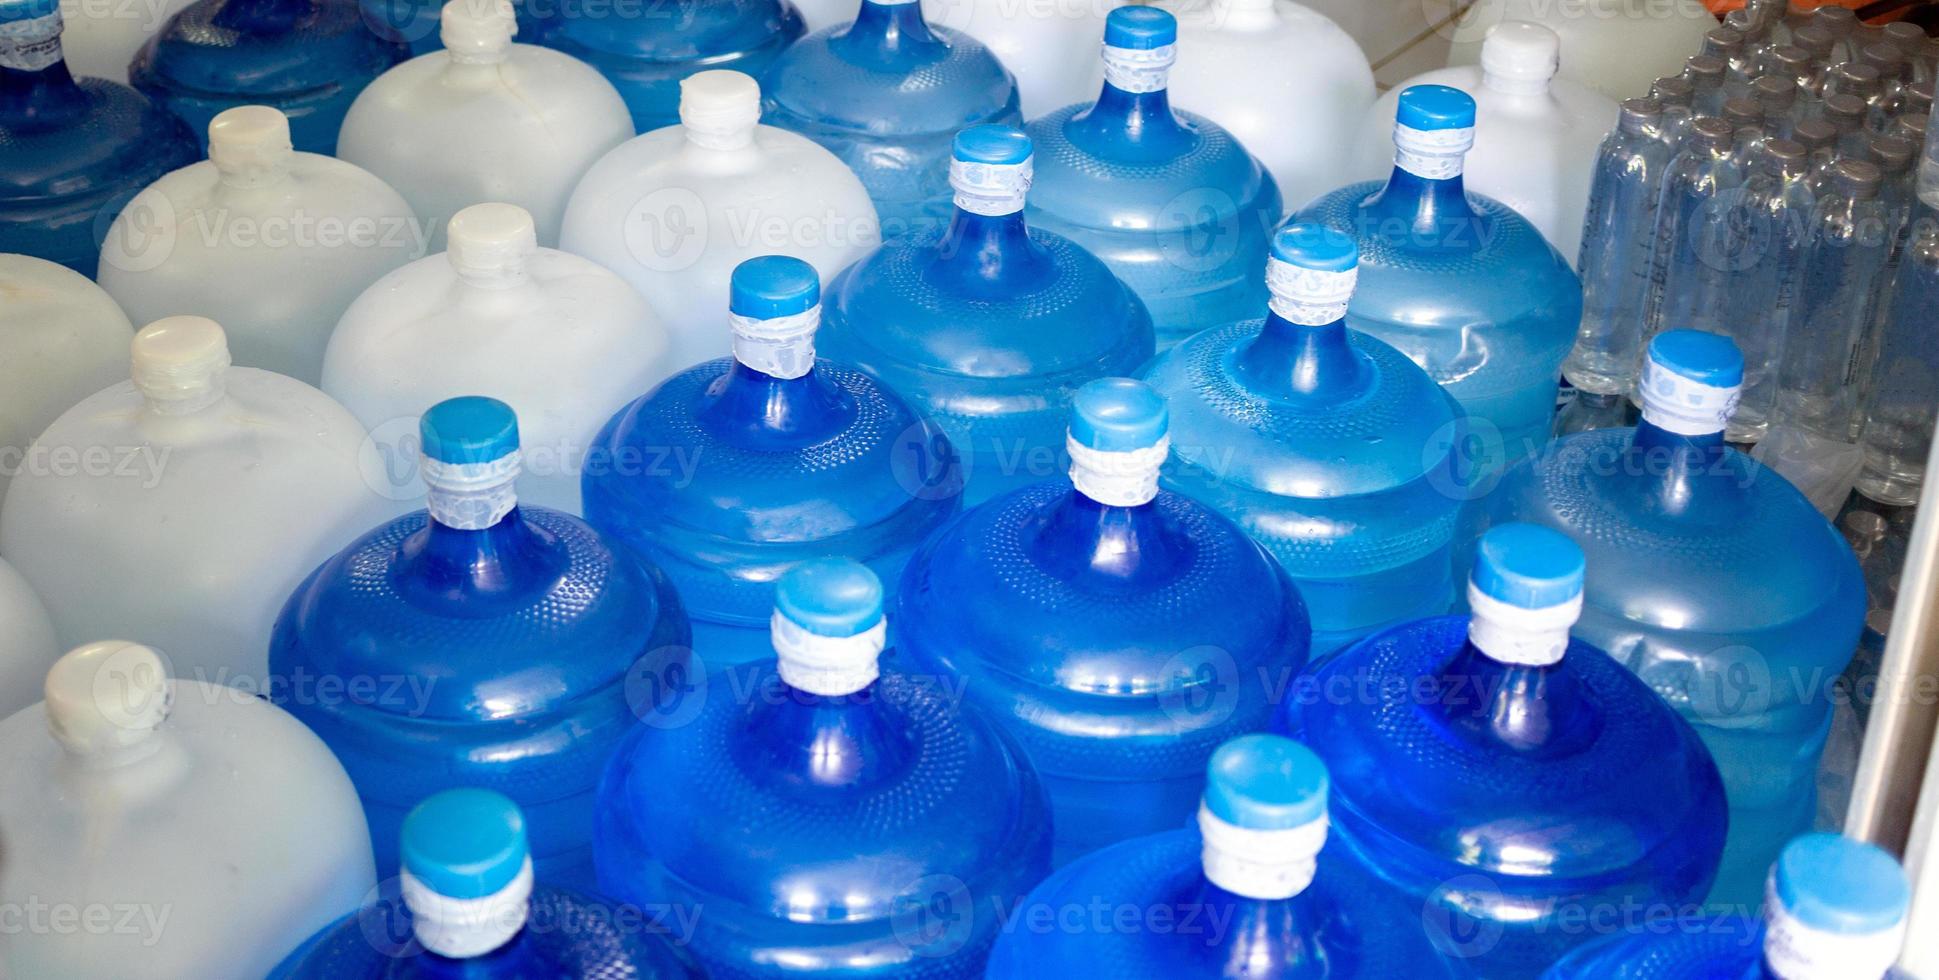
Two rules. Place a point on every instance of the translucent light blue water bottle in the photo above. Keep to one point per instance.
(1836, 908)
(307, 58)
(825, 812)
(645, 50)
(1259, 888)
(886, 93)
(732, 472)
(1475, 774)
(987, 325)
(72, 151)
(479, 643)
(1094, 617)
(1168, 199)
(1458, 282)
(465, 906)
(1331, 448)
(1712, 579)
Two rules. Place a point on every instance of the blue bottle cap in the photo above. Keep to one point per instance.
(1430, 107)
(1316, 247)
(465, 843)
(992, 144)
(1140, 28)
(1834, 884)
(772, 286)
(1266, 782)
(19, 10)
(471, 429)
(1528, 566)
(830, 597)
(1706, 358)
(1117, 415)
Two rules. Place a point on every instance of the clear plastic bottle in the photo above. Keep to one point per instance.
(1617, 241)
(1773, 209)
(199, 495)
(1169, 200)
(1474, 780)
(1092, 618)
(271, 242)
(72, 150)
(1713, 580)
(647, 51)
(988, 326)
(1613, 48)
(1837, 908)
(832, 813)
(484, 120)
(557, 336)
(886, 93)
(1460, 283)
(1677, 94)
(1776, 97)
(1256, 888)
(1327, 445)
(213, 830)
(61, 340)
(1705, 73)
(1043, 44)
(1897, 437)
(536, 635)
(1697, 235)
(308, 59)
(736, 470)
(676, 210)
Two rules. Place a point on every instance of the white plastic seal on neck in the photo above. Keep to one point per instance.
(31, 44)
(471, 496)
(1432, 154)
(1685, 406)
(178, 364)
(827, 666)
(1117, 479)
(719, 109)
(477, 32)
(779, 347)
(990, 189)
(1796, 951)
(1139, 70)
(1520, 58)
(1268, 865)
(461, 928)
(1309, 297)
(250, 145)
(1517, 636)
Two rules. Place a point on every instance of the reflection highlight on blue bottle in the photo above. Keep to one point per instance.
(733, 471)
(1714, 581)
(466, 906)
(1096, 618)
(1257, 888)
(72, 151)
(988, 326)
(479, 643)
(1328, 446)
(1170, 200)
(825, 811)
(1473, 755)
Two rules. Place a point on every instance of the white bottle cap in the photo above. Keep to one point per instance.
(250, 144)
(828, 628)
(489, 244)
(1520, 58)
(477, 31)
(178, 363)
(106, 698)
(720, 109)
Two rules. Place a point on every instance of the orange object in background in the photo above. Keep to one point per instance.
(1722, 7)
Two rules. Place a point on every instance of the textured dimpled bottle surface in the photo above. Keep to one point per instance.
(1617, 243)
(1043, 44)
(1281, 77)
(217, 827)
(212, 490)
(1257, 888)
(536, 632)
(735, 470)
(988, 326)
(646, 51)
(833, 815)
(675, 210)
(485, 120)
(1474, 782)
(1460, 283)
(1713, 580)
(269, 241)
(1331, 448)
(1616, 49)
(306, 58)
(72, 150)
(1093, 618)
(886, 93)
(1837, 908)
(1536, 134)
(61, 340)
(556, 336)
(466, 904)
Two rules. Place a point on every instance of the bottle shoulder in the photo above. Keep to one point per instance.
(731, 185)
(682, 31)
(202, 50)
(117, 141)
(1724, 947)
(1492, 269)
(535, 88)
(814, 84)
(1098, 184)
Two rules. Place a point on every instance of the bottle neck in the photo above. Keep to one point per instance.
(1131, 126)
(263, 16)
(1241, 933)
(984, 254)
(517, 958)
(838, 741)
(1302, 360)
(1515, 84)
(889, 35)
(469, 937)
(1681, 475)
(746, 407)
(1429, 213)
(479, 570)
(36, 89)
(1526, 709)
(1082, 539)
